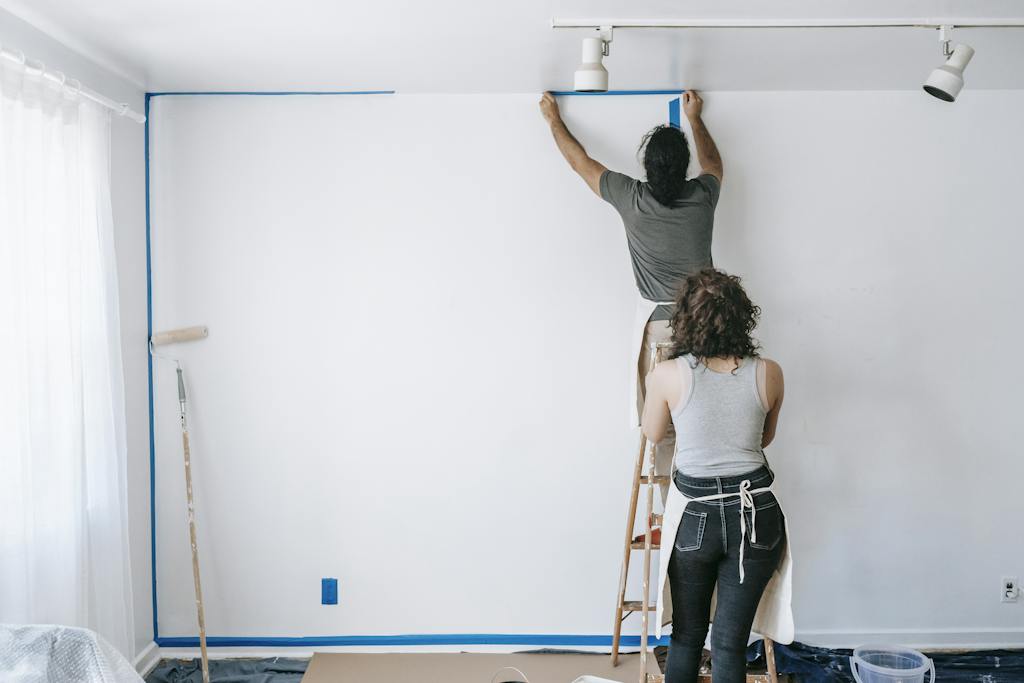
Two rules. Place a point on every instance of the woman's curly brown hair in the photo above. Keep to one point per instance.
(714, 318)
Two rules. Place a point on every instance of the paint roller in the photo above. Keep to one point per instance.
(187, 334)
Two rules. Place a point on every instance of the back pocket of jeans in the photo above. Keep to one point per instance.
(769, 527)
(691, 531)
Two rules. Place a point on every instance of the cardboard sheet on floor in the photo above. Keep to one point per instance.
(468, 668)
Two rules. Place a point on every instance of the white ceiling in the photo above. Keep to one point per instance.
(489, 46)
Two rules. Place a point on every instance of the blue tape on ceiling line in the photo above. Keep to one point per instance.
(571, 93)
(673, 113)
(273, 93)
(149, 358)
(427, 639)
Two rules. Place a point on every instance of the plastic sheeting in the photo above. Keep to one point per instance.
(60, 654)
(278, 670)
(822, 665)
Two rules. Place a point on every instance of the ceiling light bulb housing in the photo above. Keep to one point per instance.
(591, 76)
(947, 81)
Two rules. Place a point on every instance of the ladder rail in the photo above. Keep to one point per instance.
(634, 499)
(624, 570)
(645, 607)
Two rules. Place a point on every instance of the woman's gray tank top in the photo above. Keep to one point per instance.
(719, 422)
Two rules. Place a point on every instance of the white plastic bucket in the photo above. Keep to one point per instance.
(885, 664)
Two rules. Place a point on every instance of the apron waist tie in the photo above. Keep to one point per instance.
(746, 496)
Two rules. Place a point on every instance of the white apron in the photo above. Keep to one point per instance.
(644, 310)
(774, 618)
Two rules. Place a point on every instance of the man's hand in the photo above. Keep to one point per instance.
(707, 153)
(692, 104)
(549, 108)
(569, 146)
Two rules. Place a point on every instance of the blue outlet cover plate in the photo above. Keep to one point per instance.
(328, 591)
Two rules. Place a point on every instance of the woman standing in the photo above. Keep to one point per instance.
(728, 529)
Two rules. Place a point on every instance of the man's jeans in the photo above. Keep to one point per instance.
(706, 552)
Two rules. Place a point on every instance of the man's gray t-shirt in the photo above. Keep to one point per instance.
(666, 243)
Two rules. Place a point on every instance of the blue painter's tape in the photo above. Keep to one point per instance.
(673, 113)
(418, 639)
(573, 93)
(149, 358)
(328, 591)
(272, 93)
(252, 641)
(149, 304)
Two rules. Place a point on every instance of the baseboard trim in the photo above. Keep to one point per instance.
(147, 660)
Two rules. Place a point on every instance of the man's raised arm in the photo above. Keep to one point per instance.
(571, 149)
(707, 152)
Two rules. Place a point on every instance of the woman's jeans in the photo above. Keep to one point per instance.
(706, 552)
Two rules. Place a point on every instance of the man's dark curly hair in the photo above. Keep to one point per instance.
(666, 156)
(714, 318)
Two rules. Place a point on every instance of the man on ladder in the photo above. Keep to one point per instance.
(668, 220)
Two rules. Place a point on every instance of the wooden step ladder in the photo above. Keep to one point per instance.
(645, 606)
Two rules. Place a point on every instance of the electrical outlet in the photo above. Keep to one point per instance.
(1009, 589)
(328, 591)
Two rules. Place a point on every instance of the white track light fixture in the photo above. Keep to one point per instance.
(946, 81)
(591, 76)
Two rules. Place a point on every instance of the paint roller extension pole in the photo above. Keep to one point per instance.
(173, 337)
(192, 529)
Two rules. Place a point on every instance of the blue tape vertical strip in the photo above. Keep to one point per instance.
(149, 357)
(673, 112)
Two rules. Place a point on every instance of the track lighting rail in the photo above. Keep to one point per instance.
(1002, 22)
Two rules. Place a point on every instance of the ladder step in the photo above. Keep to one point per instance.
(657, 479)
(655, 678)
(636, 605)
(639, 545)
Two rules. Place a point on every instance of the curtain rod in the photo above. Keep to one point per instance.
(38, 68)
(788, 23)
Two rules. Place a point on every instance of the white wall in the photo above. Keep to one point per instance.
(128, 198)
(416, 371)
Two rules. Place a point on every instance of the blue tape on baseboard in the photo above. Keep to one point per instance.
(673, 113)
(425, 639)
(569, 93)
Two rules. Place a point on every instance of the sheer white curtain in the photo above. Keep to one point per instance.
(63, 513)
